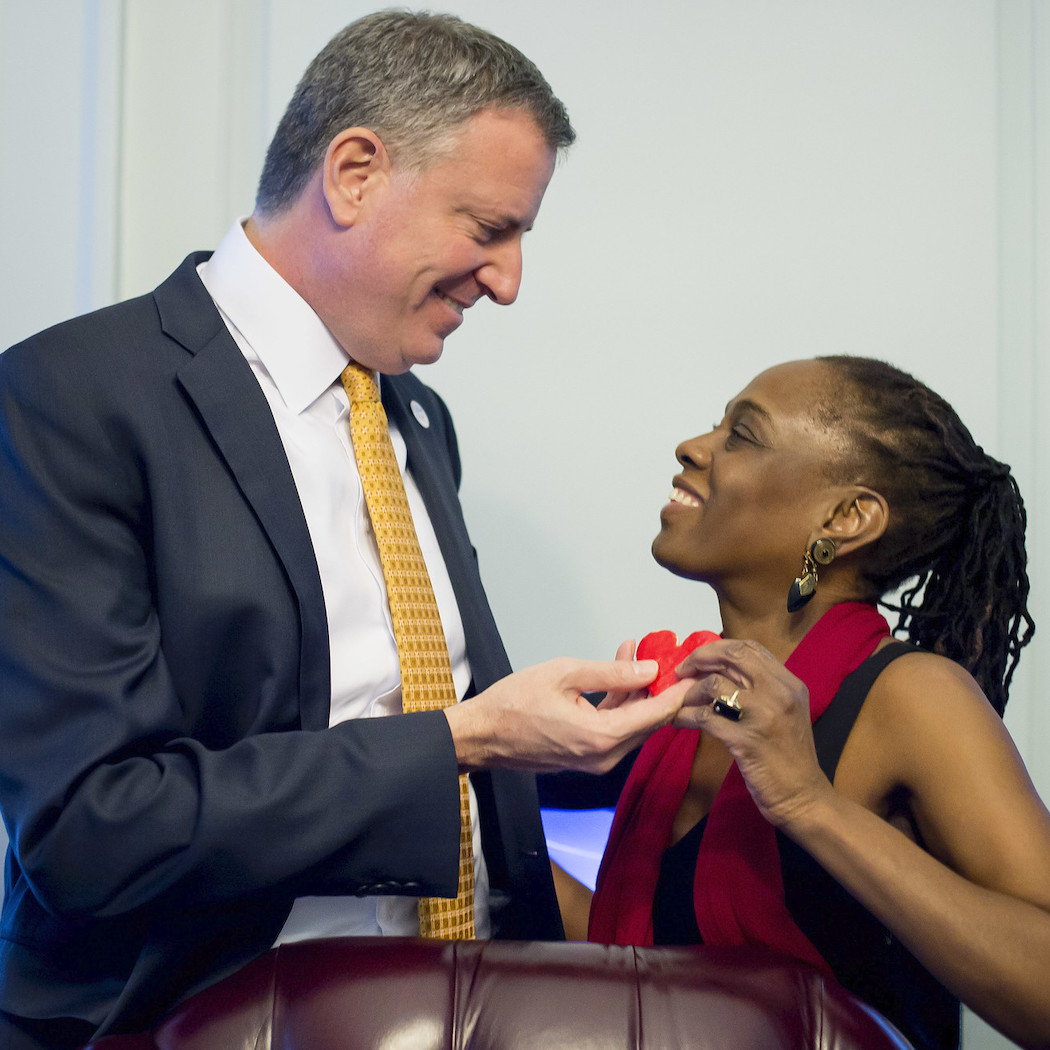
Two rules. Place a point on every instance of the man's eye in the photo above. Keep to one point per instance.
(740, 433)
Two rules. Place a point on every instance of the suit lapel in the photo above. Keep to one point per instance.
(220, 383)
(512, 833)
(428, 460)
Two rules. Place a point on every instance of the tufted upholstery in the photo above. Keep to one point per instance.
(408, 994)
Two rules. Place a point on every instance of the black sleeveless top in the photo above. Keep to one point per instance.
(864, 956)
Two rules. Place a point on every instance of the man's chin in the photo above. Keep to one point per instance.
(422, 355)
(397, 359)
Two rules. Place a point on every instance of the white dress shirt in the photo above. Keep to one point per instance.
(297, 363)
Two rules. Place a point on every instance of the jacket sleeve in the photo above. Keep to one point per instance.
(120, 787)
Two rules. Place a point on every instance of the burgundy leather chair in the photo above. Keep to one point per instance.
(408, 994)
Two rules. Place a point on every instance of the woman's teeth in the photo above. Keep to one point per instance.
(687, 499)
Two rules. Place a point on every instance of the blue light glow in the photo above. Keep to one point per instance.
(576, 840)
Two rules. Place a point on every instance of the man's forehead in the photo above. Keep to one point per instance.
(497, 169)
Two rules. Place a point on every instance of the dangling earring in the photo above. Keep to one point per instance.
(822, 552)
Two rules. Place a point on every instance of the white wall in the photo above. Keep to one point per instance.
(754, 180)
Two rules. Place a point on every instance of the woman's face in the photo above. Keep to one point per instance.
(753, 493)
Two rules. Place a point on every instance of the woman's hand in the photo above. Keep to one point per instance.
(772, 742)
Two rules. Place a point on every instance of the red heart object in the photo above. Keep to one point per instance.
(663, 647)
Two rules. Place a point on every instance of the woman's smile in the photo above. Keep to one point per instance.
(684, 497)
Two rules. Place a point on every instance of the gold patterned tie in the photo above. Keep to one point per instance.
(426, 676)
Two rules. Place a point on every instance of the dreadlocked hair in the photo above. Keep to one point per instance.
(955, 541)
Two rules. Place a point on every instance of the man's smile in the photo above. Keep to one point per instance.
(450, 302)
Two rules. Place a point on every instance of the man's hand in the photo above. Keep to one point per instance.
(538, 719)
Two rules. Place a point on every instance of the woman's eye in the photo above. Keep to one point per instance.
(740, 433)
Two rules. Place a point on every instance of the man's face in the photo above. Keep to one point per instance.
(429, 245)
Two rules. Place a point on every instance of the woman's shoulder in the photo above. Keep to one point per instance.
(929, 733)
(922, 688)
(925, 727)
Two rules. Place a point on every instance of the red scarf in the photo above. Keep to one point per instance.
(738, 892)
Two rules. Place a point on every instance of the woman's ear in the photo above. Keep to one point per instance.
(860, 517)
(355, 165)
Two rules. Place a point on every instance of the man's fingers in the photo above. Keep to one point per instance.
(615, 697)
(593, 675)
(651, 712)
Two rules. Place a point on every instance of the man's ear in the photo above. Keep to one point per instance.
(860, 517)
(355, 163)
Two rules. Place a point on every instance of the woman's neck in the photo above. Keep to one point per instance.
(775, 628)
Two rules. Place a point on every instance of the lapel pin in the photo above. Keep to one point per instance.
(421, 415)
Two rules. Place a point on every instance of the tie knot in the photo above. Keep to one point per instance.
(359, 383)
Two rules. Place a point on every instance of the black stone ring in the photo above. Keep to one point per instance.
(728, 707)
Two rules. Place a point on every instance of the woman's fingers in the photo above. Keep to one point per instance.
(747, 699)
(734, 658)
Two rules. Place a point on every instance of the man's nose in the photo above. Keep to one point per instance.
(500, 274)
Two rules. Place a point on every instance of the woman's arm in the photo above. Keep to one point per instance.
(574, 900)
(975, 909)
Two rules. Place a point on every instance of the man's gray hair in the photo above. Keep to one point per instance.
(411, 77)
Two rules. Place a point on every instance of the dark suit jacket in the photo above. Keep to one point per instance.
(167, 774)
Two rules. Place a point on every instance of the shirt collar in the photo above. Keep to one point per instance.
(300, 354)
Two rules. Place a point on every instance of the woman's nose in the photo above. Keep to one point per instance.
(694, 452)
